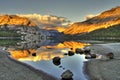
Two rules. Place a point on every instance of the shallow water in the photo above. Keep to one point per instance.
(73, 63)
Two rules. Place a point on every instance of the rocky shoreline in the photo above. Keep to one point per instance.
(14, 70)
(98, 69)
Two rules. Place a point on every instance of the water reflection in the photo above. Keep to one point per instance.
(47, 52)
(53, 58)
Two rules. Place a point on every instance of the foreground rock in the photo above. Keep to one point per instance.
(67, 75)
(11, 70)
(104, 69)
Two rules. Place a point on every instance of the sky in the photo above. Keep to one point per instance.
(73, 10)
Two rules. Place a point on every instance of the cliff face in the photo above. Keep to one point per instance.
(104, 20)
(15, 20)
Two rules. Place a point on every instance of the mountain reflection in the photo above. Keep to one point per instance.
(69, 44)
(45, 52)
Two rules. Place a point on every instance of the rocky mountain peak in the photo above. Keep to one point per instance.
(15, 20)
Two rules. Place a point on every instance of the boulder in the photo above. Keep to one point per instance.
(110, 55)
(56, 61)
(107, 56)
(70, 53)
(87, 56)
(93, 55)
(87, 50)
(33, 54)
(79, 51)
(67, 75)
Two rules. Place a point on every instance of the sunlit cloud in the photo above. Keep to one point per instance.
(89, 16)
(47, 21)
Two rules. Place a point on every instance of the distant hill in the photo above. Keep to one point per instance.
(106, 19)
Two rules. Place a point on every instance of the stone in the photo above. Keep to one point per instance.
(87, 56)
(67, 75)
(33, 54)
(87, 50)
(79, 51)
(107, 56)
(93, 55)
(110, 55)
(70, 53)
(56, 61)
(65, 53)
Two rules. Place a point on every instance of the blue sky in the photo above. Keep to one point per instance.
(74, 10)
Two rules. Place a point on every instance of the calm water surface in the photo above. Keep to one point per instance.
(41, 57)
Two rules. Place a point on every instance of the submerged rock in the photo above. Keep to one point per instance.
(67, 75)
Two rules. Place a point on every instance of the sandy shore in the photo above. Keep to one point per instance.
(104, 69)
(13, 70)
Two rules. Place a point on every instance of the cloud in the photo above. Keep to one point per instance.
(46, 21)
(89, 16)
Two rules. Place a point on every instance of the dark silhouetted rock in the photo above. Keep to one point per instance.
(87, 50)
(93, 55)
(79, 51)
(67, 75)
(56, 61)
(87, 56)
(65, 54)
(70, 53)
(33, 54)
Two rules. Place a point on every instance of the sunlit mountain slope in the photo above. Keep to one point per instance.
(104, 20)
(15, 20)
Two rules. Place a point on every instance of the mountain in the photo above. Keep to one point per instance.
(15, 20)
(111, 33)
(104, 20)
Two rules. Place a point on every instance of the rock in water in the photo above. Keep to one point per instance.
(56, 61)
(67, 75)
(70, 53)
(79, 51)
(87, 50)
(33, 54)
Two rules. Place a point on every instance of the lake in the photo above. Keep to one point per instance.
(40, 55)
